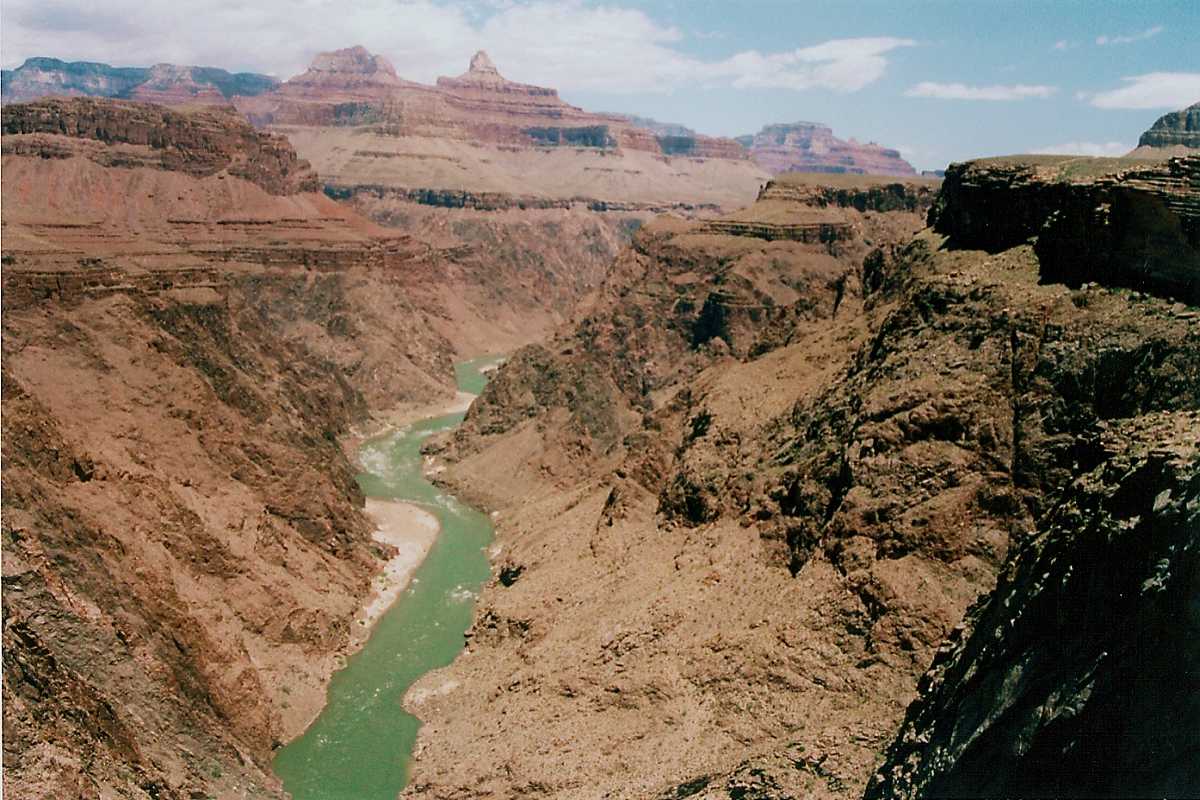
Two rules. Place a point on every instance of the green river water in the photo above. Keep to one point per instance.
(360, 746)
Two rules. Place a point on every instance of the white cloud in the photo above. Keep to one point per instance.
(1149, 33)
(1167, 90)
(961, 91)
(568, 45)
(1086, 149)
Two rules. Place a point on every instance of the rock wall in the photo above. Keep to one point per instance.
(744, 501)
(1078, 675)
(197, 144)
(1105, 221)
(1177, 129)
(914, 196)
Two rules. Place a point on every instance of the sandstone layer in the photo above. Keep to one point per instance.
(812, 147)
(189, 329)
(744, 502)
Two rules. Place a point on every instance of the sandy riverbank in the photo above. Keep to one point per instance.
(412, 531)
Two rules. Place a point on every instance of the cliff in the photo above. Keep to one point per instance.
(744, 502)
(1078, 676)
(811, 147)
(200, 145)
(1179, 129)
(1110, 221)
(480, 133)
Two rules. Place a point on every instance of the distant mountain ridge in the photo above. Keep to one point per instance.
(812, 147)
(42, 77)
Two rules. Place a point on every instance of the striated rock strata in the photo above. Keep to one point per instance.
(1174, 131)
(362, 125)
(811, 147)
(200, 145)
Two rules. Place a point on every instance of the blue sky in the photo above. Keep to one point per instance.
(941, 80)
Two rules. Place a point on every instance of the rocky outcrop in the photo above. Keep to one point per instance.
(496, 201)
(812, 147)
(863, 194)
(1177, 129)
(197, 144)
(1078, 676)
(1092, 220)
(167, 84)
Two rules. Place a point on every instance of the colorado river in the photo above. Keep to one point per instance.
(360, 746)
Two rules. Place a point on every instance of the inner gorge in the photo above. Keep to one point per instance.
(360, 745)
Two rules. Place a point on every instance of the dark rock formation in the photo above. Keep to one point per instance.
(1179, 128)
(1080, 675)
(1093, 220)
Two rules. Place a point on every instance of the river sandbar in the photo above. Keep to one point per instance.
(412, 531)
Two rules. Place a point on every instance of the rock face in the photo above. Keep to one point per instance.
(1112, 221)
(200, 145)
(811, 147)
(744, 501)
(481, 133)
(1177, 129)
(1079, 676)
(188, 330)
(165, 83)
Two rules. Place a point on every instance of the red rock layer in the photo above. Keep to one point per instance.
(352, 87)
(198, 144)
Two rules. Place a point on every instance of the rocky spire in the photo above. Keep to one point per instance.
(482, 65)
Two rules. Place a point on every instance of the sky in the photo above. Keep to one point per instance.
(941, 81)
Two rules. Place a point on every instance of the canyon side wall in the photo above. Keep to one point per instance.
(190, 330)
(749, 499)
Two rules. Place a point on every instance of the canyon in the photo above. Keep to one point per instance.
(767, 480)
(185, 548)
(812, 484)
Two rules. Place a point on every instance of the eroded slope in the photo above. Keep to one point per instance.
(734, 526)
